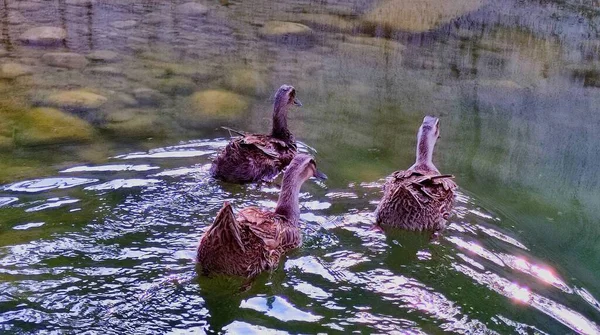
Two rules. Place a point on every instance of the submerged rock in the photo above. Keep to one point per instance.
(154, 19)
(133, 123)
(177, 86)
(286, 32)
(106, 70)
(218, 104)
(499, 84)
(418, 16)
(376, 42)
(76, 100)
(51, 126)
(327, 22)
(246, 81)
(25, 5)
(125, 99)
(127, 24)
(3, 52)
(14, 70)
(192, 9)
(16, 18)
(81, 2)
(148, 97)
(44, 36)
(106, 56)
(6, 142)
(69, 60)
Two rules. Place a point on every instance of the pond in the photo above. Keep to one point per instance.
(110, 116)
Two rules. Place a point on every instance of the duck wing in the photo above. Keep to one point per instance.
(225, 230)
(270, 228)
(266, 226)
(263, 143)
(421, 186)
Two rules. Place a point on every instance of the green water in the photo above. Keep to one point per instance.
(102, 205)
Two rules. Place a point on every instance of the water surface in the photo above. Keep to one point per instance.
(98, 230)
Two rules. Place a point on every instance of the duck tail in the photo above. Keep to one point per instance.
(225, 228)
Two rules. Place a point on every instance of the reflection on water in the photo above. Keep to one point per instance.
(104, 194)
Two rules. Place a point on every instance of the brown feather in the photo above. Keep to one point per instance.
(253, 158)
(416, 200)
(264, 235)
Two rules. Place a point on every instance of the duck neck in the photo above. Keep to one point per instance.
(424, 160)
(288, 204)
(280, 128)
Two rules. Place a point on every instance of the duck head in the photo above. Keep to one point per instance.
(303, 167)
(286, 96)
(300, 169)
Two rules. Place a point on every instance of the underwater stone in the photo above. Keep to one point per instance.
(376, 42)
(80, 2)
(246, 81)
(25, 5)
(6, 142)
(69, 60)
(16, 18)
(76, 100)
(125, 99)
(499, 84)
(14, 70)
(133, 123)
(417, 16)
(103, 56)
(51, 126)
(218, 103)
(154, 19)
(127, 24)
(3, 52)
(147, 96)
(106, 70)
(176, 86)
(192, 9)
(286, 32)
(326, 22)
(44, 36)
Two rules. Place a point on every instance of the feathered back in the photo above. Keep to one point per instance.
(416, 201)
(247, 244)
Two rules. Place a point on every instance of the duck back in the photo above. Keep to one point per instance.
(416, 201)
(253, 158)
(247, 244)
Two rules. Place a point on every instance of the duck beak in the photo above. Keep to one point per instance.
(297, 102)
(320, 175)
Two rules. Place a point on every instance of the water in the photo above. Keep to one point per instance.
(99, 219)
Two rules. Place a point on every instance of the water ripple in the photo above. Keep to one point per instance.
(112, 167)
(122, 183)
(45, 184)
(278, 308)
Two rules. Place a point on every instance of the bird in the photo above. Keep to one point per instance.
(419, 198)
(252, 241)
(252, 158)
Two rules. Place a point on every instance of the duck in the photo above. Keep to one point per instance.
(252, 241)
(419, 198)
(252, 158)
